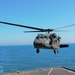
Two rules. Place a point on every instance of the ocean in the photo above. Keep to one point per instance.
(24, 58)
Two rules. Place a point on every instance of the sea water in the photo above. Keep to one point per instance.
(24, 57)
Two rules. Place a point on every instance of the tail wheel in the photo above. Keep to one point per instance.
(37, 51)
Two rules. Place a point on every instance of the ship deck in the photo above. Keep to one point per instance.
(48, 71)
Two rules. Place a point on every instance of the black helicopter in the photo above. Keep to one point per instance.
(45, 41)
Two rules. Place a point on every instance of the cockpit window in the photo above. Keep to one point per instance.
(45, 37)
(37, 37)
(41, 37)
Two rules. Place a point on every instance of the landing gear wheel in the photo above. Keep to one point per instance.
(37, 51)
(54, 51)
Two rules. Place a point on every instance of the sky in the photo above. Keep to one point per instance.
(37, 13)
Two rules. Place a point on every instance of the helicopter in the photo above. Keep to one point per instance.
(49, 40)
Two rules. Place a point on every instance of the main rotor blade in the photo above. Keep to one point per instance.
(64, 31)
(21, 26)
(32, 31)
(65, 26)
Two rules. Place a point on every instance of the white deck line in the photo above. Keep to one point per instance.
(50, 71)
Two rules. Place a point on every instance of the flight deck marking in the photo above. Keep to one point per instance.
(68, 71)
(50, 71)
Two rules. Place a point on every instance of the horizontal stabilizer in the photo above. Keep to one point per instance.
(64, 45)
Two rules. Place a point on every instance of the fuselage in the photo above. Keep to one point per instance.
(46, 41)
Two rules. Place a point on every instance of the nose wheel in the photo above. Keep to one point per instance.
(37, 51)
(56, 51)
